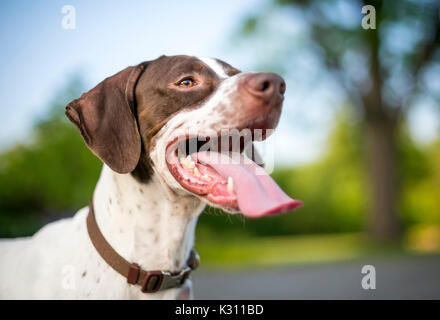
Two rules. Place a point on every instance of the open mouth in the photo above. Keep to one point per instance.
(215, 169)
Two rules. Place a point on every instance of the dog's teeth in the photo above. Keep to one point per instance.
(196, 172)
(206, 177)
(230, 184)
(190, 164)
(187, 163)
(184, 162)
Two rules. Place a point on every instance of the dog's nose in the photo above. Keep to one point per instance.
(265, 85)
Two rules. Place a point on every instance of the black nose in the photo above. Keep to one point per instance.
(265, 85)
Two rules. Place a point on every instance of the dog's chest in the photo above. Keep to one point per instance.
(139, 221)
(143, 223)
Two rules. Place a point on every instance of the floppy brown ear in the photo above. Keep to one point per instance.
(105, 116)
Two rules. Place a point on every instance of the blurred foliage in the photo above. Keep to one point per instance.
(420, 168)
(334, 188)
(48, 176)
(239, 252)
(381, 72)
(53, 174)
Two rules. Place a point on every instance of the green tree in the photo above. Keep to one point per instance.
(382, 72)
(48, 175)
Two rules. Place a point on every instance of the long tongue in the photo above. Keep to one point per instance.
(257, 193)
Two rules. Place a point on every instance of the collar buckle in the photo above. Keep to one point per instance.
(152, 281)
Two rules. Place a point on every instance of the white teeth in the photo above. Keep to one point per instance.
(191, 164)
(230, 185)
(196, 172)
(206, 177)
(187, 163)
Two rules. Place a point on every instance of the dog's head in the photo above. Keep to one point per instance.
(187, 119)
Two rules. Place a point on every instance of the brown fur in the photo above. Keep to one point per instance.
(119, 117)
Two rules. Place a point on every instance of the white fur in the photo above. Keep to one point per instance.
(214, 65)
(208, 120)
(140, 222)
(150, 223)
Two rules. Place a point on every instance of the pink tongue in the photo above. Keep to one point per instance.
(257, 193)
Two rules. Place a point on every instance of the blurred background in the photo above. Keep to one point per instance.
(358, 142)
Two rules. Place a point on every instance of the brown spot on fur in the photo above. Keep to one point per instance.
(110, 200)
(84, 274)
(138, 206)
(140, 190)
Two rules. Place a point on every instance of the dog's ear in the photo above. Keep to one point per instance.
(105, 116)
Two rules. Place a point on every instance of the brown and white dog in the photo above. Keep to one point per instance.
(140, 123)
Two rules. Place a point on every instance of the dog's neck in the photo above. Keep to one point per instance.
(143, 223)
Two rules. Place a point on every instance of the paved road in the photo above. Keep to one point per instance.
(416, 277)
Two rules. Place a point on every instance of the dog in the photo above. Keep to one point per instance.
(151, 190)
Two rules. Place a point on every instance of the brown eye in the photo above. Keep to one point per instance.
(187, 83)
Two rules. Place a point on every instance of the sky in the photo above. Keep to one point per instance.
(38, 56)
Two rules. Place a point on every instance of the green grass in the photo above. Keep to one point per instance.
(275, 251)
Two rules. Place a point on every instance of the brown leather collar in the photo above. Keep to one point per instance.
(150, 281)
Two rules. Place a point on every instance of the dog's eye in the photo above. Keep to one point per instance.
(187, 83)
